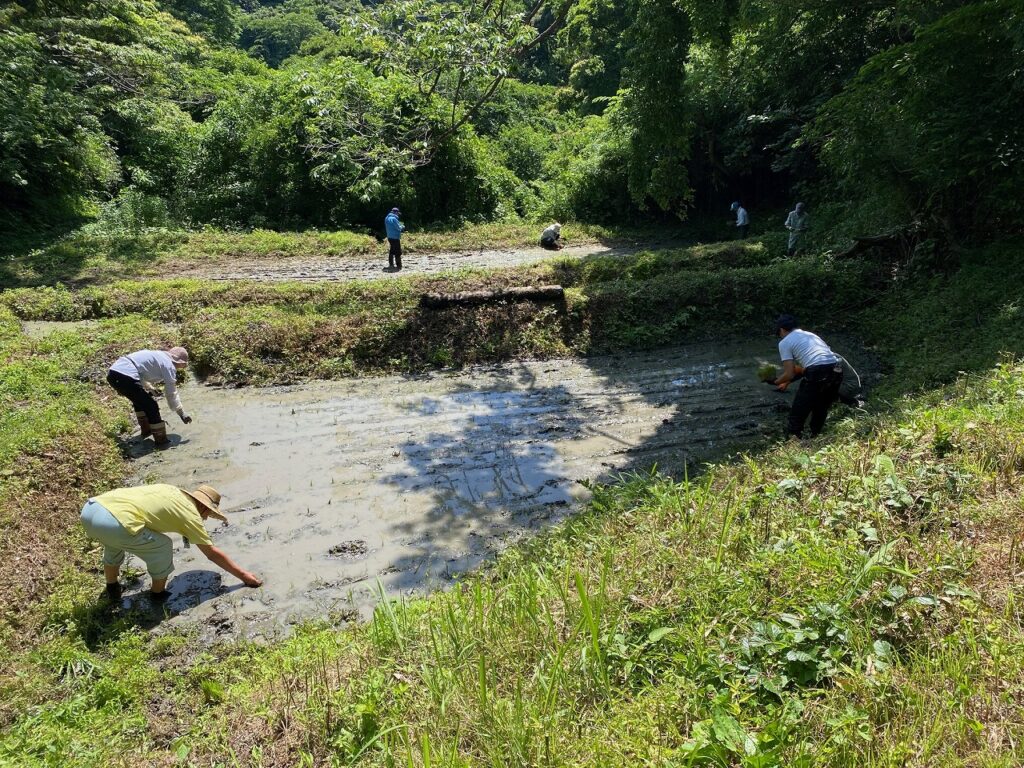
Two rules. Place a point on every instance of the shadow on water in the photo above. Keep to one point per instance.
(494, 473)
(510, 457)
(137, 447)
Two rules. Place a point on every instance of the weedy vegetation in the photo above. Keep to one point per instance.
(257, 333)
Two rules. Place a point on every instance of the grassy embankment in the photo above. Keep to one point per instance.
(248, 332)
(845, 604)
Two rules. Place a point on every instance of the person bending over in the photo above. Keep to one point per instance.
(137, 520)
(822, 375)
(134, 376)
(550, 237)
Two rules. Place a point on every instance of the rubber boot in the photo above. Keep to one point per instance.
(143, 424)
(159, 429)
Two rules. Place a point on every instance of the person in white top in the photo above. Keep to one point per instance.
(742, 219)
(134, 376)
(550, 236)
(821, 378)
(796, 223)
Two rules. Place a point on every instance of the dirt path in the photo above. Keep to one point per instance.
(374, 267)
(331, 487)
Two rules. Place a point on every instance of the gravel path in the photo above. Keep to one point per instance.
(322, 269)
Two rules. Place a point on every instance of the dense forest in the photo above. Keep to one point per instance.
(300, 113)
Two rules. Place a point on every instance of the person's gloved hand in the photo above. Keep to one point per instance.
(185, 417)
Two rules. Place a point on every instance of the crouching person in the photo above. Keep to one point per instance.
(134, 376)
(137, 520)
(551, 236)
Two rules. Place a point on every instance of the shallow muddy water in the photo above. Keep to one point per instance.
(409, 481)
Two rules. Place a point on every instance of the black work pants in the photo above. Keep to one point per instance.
(742, 230)
(395, 252)
(131, 388)
(818, 390)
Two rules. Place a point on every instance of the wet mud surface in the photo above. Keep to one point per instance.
(410, 481)
(374, 266)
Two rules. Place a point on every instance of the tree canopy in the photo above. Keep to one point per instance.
(325, 112)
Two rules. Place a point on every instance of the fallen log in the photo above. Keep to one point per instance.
(901, 240)
(467, 298)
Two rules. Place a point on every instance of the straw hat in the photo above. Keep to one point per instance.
(209, 498)
(179, 355)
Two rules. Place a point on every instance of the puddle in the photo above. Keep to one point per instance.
(333, 486)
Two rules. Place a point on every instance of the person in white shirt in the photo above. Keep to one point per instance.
(134, 376)
(550, 236)
(821, 379)
(742, 219)
(796, 223)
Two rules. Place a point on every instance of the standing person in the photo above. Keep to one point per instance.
(137, 520)
(394, 228)
(822, 375)
(134, 376)
(796, 223)
(550, 236)
(742, 219)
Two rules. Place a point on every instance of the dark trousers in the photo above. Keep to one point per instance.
(818, 390)
(743, 229)
(550, 243)
(131, 388)
(395, 252)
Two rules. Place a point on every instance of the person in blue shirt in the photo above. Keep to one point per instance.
(394, 228)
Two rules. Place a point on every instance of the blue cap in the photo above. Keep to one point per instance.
(734, 206)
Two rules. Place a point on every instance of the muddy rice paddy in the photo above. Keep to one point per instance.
(405, 482)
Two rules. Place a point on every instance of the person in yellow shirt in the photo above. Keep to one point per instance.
(138, 519)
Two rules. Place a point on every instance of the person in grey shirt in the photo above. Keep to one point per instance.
(135, 376)
(821, 379)
(796, 223)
